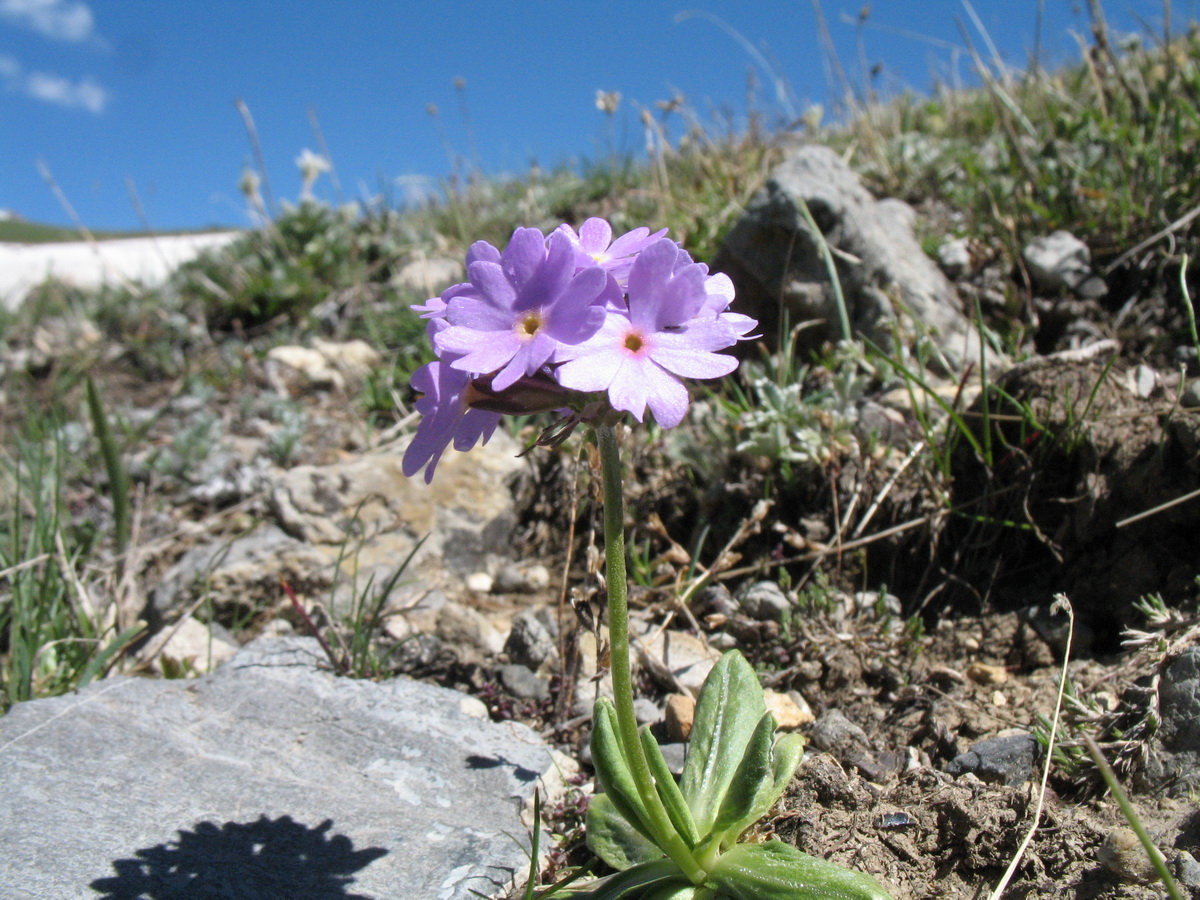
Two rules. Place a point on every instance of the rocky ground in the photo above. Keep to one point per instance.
(898, 611)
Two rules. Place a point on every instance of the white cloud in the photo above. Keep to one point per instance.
(83, 94)
(62, 20)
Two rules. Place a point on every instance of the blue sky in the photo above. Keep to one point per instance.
(117, 93)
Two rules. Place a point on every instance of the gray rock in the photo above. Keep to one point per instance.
(467, 511)
(955, 257)
(836, 734)
(270, 778)
(1057, 262)
(533, 638)
(521, 579)
(1190, 398)
(715, 599)
(766, 602)
(523, 682)
(675, 756)
(1001, 760)
(358, 520)
(241, 575)
(884, 273)
(1187, 871)
(1175, 762)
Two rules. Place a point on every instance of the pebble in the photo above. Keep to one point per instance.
(1186, 870)
(789, 714)
(1000, 760)
(1190, 398)
(1125, 857)
(532, 639)
(954, 257)
(766, 602)
(480, 582)
(515, 579)
(982, 673)
(1056, 261)
(679, 715)
(523, 682)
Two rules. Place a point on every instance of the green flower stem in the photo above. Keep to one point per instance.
(618, 632)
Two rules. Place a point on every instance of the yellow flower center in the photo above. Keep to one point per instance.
(531, 323)
(634, 342)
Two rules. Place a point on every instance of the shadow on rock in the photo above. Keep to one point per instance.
(262, 860)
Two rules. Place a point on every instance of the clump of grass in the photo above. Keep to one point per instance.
(1108, 148)
(55, 635)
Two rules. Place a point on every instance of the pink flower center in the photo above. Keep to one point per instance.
(634, 342)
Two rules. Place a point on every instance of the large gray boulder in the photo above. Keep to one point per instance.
(270, 778)
(777, 265)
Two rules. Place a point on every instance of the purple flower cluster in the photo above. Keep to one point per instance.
(558, 322)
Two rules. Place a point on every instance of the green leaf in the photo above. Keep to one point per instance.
(785, 757)
(612, 769)
(612, 838)
(668, 790)
(117, 645)
(752, 776)
(727, 712)
(778, 871)
(636, 883)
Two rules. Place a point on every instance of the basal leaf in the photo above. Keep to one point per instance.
(612, 838)
(778, 871)
(635, 883)
(785, 757)
(612, 769)
(750, 779)
(728, 710)
(668, 790)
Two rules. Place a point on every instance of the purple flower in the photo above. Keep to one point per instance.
(594, 246)
(671, 332)
(520, 309)
(445, 418)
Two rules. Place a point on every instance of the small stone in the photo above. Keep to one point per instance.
(466, 629)
(1190, 399)
(295, 370)
(1057, 261)
(679, 715)
(1144, 381)
(429, 275)
(688, 658)
(722, 641)
(675, 755)
(646, 711)
(192, 648)
(766, 602)
(523, 682)
(789, 715)
(532, 640)
(1186, 870)
(516, 579)
(998, 699)
(1125, 857)
(982, 673)
(1000, 760)
(716, 600)
(955, 257)
(480, 582)
(834, 733)
(473, 707)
